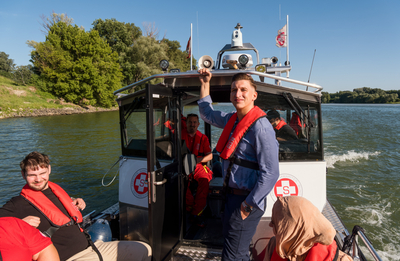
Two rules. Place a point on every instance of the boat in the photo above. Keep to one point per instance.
(154, 164)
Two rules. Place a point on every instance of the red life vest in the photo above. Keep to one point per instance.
(318, 252)
(280, 125)
(295, 123)
(225, 147)
(196, 149)
(169, 125)
(47, 208)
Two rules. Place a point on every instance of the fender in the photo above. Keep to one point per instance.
(227, 148)
(48, 209)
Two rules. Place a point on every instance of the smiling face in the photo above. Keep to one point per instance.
(243, 95)
(192, 124)
(37, 178)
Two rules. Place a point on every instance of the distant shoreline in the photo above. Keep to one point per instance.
(22, 113)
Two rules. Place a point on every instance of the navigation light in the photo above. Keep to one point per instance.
(164, 65)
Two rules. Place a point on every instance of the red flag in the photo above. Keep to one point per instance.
(281, 38)
(188, 49)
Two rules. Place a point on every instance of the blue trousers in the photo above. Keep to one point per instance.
(236, 231)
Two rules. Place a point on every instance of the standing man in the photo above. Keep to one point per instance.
(199, 181)
(250, 161)
(46, 206)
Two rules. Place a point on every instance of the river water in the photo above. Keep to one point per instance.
(362, 150)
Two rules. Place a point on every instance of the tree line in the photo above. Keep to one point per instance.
(362, 95)
(86, 67)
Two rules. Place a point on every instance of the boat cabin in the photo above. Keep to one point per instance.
(156, 162)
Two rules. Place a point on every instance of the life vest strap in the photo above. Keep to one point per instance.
(50, 232)
(245, 163)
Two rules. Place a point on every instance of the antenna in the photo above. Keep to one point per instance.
(312, 63)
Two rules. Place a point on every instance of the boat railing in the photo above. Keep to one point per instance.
(351, 241)
(216, 73)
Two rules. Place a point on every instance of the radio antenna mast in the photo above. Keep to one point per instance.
(312, 63)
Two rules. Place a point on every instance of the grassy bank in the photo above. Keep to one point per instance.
(27, 101)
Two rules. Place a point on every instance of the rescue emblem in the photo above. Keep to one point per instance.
(287, 185)
(139, 184)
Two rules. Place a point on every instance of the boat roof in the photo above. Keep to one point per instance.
(222, 78)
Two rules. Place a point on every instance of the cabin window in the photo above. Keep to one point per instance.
(302, 141)
(306, 143)
(133, 128)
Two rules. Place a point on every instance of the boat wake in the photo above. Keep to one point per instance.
(380, 217)
(349, 156)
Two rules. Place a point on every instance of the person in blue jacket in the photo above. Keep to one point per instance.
(250, 164)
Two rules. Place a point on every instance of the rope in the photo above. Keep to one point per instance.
(102, 180)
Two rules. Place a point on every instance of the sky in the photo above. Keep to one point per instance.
(356, 42)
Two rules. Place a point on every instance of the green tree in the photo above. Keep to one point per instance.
(176, 56)
(54, 18)
(6, 64)
(76, 65)
(326, 98)
(144, 58)
(23, 74)
(120, 37)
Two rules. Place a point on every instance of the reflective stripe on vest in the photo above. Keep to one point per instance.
(48, 209)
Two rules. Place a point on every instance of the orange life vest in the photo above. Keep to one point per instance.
(295, 123)
(225, 147)
(280, 125)
(196, 149)
(318, 252)
(48, 209)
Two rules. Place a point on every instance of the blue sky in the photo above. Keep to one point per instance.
(356, 41)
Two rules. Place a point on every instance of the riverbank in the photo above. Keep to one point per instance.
(15, 113)
(28, 101)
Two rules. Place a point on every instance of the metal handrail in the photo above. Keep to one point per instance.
(352, 241)
(216, 73)
(368, 244)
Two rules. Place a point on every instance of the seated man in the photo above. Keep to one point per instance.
(283, 131)
(22, 242)
(198, 144)
(45, 205)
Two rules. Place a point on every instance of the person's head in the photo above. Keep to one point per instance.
(243, 91)
(274, 117)
(297, 225)
(36, 169)
(192, 123)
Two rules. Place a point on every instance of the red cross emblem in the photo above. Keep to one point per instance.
(286, 187)
(140, 183)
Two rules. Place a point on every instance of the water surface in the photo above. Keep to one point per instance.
(362, 151)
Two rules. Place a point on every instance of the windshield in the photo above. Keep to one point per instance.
(296, 123)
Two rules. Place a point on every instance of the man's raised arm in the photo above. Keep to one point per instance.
(205, 78)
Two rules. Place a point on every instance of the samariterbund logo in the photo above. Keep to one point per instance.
(287, 185)
(139, 184)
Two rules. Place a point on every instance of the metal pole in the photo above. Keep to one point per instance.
(191, 49)
(287, 39)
